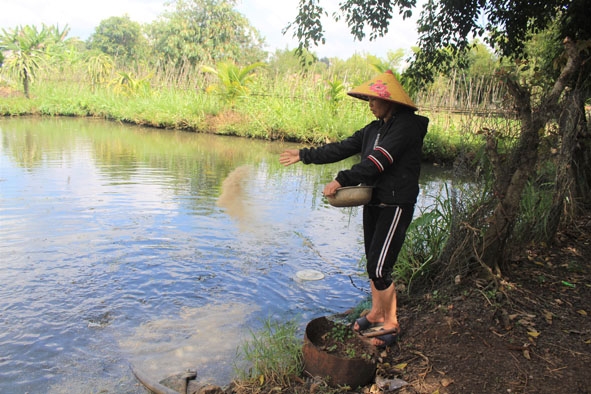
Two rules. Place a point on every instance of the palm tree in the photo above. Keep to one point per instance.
(27, 51)
(233, 80)
(99, 66)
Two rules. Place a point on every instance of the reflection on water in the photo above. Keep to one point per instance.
(159, 248)
(198, 338)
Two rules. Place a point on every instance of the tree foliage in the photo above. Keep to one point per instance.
(205, 31)
(448, 24)
(119, 37)
(505, 26)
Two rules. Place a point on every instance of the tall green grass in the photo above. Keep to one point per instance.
(425, 238)
(272, 357)
(307, 107)
(536, 201)
(272, 362)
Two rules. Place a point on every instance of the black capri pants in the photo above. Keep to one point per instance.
(384, 231)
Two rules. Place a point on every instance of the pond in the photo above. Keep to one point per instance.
(163, 249)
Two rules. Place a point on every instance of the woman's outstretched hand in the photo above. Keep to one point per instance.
(289, 157)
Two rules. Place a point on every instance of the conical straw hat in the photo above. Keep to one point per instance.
(386, 87)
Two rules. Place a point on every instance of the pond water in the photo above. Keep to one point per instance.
(163, 249)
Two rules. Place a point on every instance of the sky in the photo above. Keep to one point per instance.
(269, 17)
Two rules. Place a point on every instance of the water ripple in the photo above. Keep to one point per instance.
(119, 246)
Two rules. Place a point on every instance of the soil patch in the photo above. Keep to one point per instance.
(224, 118)
(532, 337)
(8, 92)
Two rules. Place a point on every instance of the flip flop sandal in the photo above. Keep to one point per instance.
(382, 332)
(387, 340)
(365, 324)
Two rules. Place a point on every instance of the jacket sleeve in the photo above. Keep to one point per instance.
(333, 152)
(364, 172)
(385, 154)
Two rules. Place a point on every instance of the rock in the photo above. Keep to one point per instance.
(180, 382)
(389, 384)
(210, 389)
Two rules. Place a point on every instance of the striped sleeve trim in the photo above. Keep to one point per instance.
(376, 162)
(385, 153)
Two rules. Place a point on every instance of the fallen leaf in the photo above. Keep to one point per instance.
(314, 388)
(582, 312)
(526, 354)
(446, 382)
(401, 366)
(533, 334)
(548, 316)
(526, 323)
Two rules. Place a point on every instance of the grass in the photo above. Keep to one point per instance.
(425, 239)
(299, 108)
(272, 356)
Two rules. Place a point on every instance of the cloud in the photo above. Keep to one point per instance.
(81, 16)
(269, 17)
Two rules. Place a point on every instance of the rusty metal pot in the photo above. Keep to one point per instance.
(340, 371)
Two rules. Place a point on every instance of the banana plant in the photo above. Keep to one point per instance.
(233, 80)
(127, 84)
(335, 92)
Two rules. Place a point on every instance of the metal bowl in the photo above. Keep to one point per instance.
(351, 196)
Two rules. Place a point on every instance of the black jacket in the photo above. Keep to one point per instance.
(390, 157)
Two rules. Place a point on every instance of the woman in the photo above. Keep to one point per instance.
(390, 149)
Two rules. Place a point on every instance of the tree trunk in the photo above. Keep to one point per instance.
(26, 83)
(571, 125)
(484, 235)
(512, 178)
(582, 164)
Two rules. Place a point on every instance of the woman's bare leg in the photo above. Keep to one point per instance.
(386, 300)
(376, 313)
